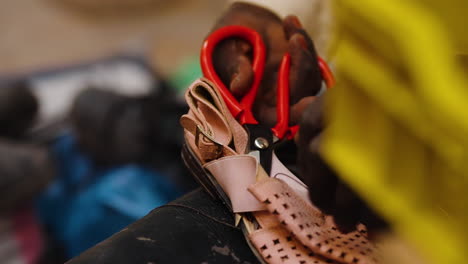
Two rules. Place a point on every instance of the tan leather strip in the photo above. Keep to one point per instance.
(211, 124)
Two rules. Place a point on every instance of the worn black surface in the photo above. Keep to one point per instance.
(192, 229)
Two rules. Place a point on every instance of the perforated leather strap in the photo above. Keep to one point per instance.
(313, 229)
(278, 246)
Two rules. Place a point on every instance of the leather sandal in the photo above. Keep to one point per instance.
(272, 208)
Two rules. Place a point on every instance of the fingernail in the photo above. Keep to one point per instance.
(234, 76)
(302, 41)
(296, 21)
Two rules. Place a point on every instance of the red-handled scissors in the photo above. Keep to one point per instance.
(242, 110)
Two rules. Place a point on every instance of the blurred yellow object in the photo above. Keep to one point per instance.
(398, 118)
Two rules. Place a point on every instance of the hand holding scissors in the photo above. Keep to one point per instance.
(242, 109)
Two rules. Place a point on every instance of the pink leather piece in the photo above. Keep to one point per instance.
(312, 228)
(278, 246)
(279, 171)
(235, 174)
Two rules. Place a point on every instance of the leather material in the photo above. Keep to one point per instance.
(209, 114)
(279, 171)
(278, 246)
(265, 220)
(210, 132)
(235, 174)
(308, 225)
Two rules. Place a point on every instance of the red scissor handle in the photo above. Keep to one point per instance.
(240, 110)
(282, 128)
(327, 74)
(243, 110)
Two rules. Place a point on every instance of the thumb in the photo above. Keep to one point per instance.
(298, 109)
(242, 78)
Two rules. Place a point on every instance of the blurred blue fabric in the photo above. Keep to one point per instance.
(86, 204)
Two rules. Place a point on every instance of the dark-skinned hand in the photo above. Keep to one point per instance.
(327, 191)
(232, 60)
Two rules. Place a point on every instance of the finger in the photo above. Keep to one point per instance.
(374, 223)
(227, 57)
(267, 114)
(243, 46)
(304, 78)
(318, 176)
(298, 109)
(312, 123)
(292, 25)
(242, 78)
(348, 208)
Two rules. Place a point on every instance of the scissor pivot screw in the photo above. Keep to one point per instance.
(261, 143)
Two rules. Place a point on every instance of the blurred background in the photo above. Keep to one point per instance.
(90, 96)
(91, 93)
(52, 33)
